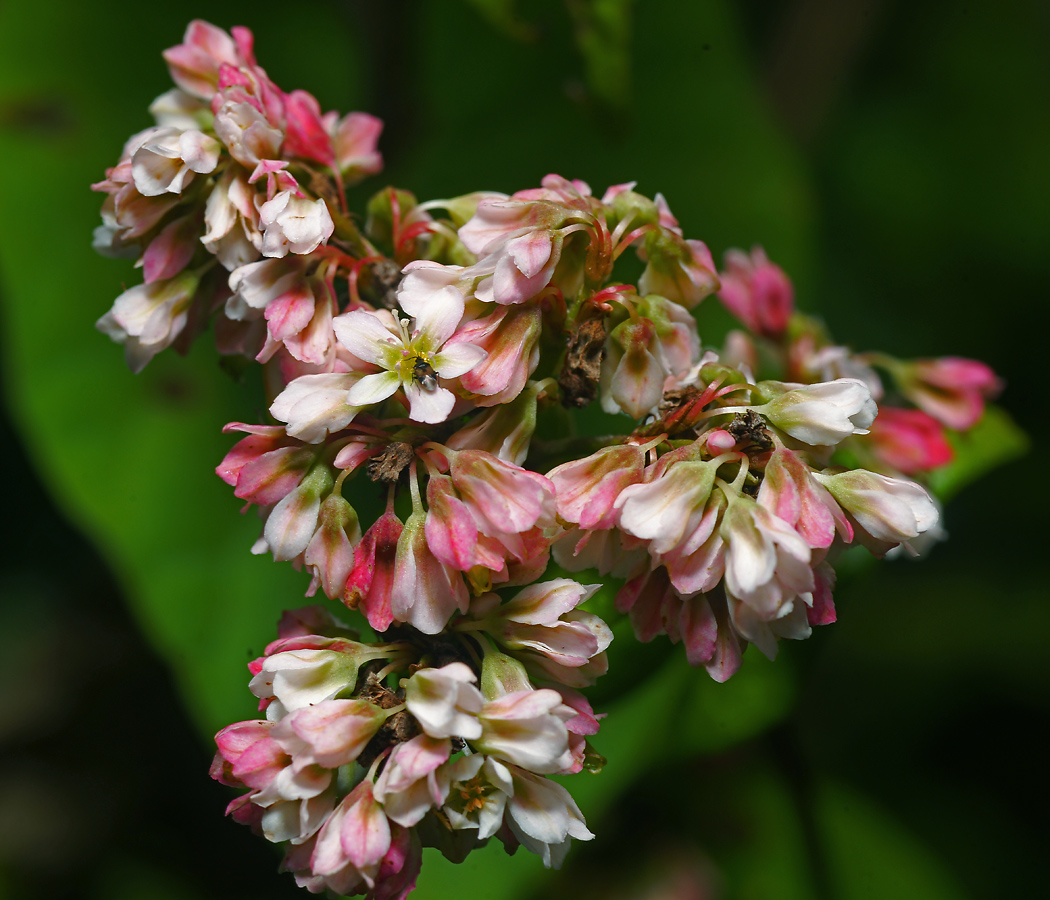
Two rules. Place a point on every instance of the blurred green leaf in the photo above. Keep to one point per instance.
(994, 441)
(503, 16)
(870, 856)
(603, 35)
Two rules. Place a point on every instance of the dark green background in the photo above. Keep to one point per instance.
(892, 156)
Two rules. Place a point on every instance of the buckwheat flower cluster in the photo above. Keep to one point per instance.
(370, 752)
(424, 462)
(223, 203)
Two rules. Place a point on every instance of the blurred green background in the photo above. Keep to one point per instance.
(893, 156)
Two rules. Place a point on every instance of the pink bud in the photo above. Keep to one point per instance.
(171, 250)
(305, 132)
(757, 292)
(372, 576)
(951, 389)
(425, 591)
(510, 337)
(909, 440)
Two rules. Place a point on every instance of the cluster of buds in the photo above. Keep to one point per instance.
(423, 463)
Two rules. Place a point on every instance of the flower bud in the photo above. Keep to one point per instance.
(889, 509)
(822, 414)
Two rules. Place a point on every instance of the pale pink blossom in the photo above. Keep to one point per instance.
(194, 64)
(356, 137)
(357, 835)
(265, 466)
(487, 513)
(414, 779)
(657, 342)
(544, 817)
(426, 591)
(249, 109)
(502, 498)
(680, 270)
(166, 161)
(587, 489)
(479, 789)
(147, 318)
(668, 509)
(294, 224)
(527, 729)
(510, 338)
(127, 214)
(292, 522)
(171, 250)
(543, 619)
(330, 553)
(308, 676)
(520, 239)
(790, 491)
(504, 430)
(697, 563)
(257, 284)
(445, 701)
(329, 734)
(314, 406)
(177, 109)
(767, 562)
(231, 221)
(632, 376)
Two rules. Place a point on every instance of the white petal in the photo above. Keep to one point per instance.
(457, 359)
(373, 389)
(431, 406)
(367, 337)
(438, 318)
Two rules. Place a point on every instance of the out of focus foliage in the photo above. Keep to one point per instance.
(892, 157)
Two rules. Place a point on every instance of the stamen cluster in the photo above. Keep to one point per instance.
(424, 464)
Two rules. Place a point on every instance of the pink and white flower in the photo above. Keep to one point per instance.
(147, 318)
(411, 358)
(167, 159)
(542, 625)
(445, 701)
(544, 817)
(890, 510)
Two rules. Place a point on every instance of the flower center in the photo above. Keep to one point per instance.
(472, 794)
